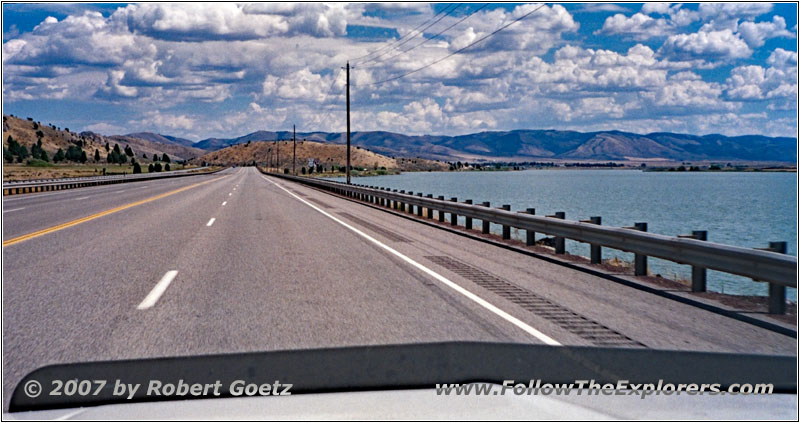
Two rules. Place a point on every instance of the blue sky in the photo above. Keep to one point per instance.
(223, 70)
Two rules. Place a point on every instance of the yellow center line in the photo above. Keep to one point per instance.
(101, 214)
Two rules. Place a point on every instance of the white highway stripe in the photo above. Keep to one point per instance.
(158, 290)
(230, 193)
(7, 211)
(211, 222)
(458, 288)
(224, 203)
(82, 198)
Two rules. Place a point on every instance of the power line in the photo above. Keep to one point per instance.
(331, 87)
(420, 32)
(431, 38)
(448, 10)
(399, 39)
(459, 50)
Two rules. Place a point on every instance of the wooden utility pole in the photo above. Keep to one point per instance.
(278, 155)
(294, 150)
(348, 123)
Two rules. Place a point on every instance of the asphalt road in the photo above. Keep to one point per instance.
(237, 262)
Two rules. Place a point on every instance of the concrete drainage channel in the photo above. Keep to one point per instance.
(394, 207)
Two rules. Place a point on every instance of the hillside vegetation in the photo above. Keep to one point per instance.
(28, 132)
(35, 150)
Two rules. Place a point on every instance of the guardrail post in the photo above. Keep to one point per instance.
(486, 223)
(699, 273)
(530, 236)
(777, 293)
(560, 241)
(467, 219)
(394, 202)
(441, 213)
(454, 216)
(430, 210)
(419, 207)
(506, 228)
(640, 260)
(411, 206)
(596, 251)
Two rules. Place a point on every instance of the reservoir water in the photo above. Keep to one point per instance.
(747, 209)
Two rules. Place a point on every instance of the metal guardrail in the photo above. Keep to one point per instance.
(25, 187)
(8, 184)
(764, 265)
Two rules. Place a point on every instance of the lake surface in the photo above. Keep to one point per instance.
(747, 209)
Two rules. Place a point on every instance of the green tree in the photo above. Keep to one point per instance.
(165, 158)
(166, 167)
(116, 149)
(22, 153)
(150, 168)
(155, 157)
(96, 155)
(43, 156)
(128, 151)
(13, 146)
(137, 168)
(122, 159)
(83, 157)
(74, 153)
(157, 167)
(7, 156)
(36, 149)
(108, 149)
(59, 156)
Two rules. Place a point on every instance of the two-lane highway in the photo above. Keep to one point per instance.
(238, 261)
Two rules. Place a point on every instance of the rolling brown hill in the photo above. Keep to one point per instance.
(139, 145)
(324, 154)
(53, 138)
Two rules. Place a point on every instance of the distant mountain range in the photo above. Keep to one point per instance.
(527, 145)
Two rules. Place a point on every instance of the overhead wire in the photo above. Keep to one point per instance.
(429, 39)
(357, 59)
(421, 32)
(457, 51)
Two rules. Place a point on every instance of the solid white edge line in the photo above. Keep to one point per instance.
(458, 288)
(6, 211)
(158, 290)
(211, 222)
(224, 203)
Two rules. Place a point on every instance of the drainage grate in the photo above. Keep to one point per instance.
(584, 327)
(375, 228)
